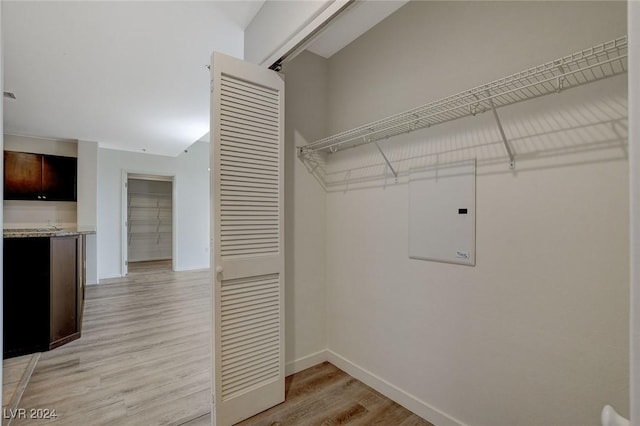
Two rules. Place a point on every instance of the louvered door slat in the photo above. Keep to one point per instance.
(248, 122)
(235, 143)
(237, 252)
(249, 370)
(256, 138)
(250, 113)
(255, 101)
(258, 100)
(253, 171)
(248, 109)
(242, 231)
(247, 296)
(251, 108)
(247, 156)
(248, 165)
(250, 88)
(249, 152)
(231, 179)
(247, 177)
(242, 363)
(251, 335)
(239, 89)
(240, 196)
(240, 306)
(241, 321)
(256, 143)
(248, 203)
(262, 192)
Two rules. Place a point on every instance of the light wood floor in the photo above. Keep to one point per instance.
(143, 359)
(16, 373)
(326, 396)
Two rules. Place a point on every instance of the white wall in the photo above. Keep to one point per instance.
(87, 208)
(64, 147)
(33, 214)
(276, 24)
(634, 179)
(192, 215)
(537, 332)
(87, 184)
(192, 198)
(305, 121)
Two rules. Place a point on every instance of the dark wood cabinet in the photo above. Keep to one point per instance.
(59, 178)
(43, 293)
(39, 177)
(25, 297)
(22, 175)
(63, 292)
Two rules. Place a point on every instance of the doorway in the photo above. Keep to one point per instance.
(148, 217)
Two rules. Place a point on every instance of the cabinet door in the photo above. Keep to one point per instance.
(63, 303)
(26, 296)
(82, 279)
(22, 175)
(59, 178)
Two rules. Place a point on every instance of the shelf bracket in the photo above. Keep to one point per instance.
(395, 174)
(561, 78)
(512, 161)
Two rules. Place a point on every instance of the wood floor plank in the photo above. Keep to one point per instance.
(13, 370)
(323, 395)
(144, 359)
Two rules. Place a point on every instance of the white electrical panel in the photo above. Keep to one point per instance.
(442, 220)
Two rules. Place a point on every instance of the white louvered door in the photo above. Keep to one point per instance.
(247, 162)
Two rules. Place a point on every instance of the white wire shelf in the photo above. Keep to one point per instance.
(595, 63)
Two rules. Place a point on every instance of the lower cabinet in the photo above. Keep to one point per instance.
(43, 293)
(63, 291)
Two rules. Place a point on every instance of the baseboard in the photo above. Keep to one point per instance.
(110, 277)
(393, 392)
(303, 363)
(191, 268)
(150, 259)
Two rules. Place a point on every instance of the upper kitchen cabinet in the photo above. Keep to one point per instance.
(22, 175)
(59, 178)
(39, 177)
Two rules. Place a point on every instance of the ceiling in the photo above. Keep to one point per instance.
(348, 26)
(129, 75)
(132, 75)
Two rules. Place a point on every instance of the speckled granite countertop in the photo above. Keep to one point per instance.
(45, 232)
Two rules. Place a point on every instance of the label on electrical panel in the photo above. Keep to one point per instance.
(460, 254)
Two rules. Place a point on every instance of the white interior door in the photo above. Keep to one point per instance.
(247, 162)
